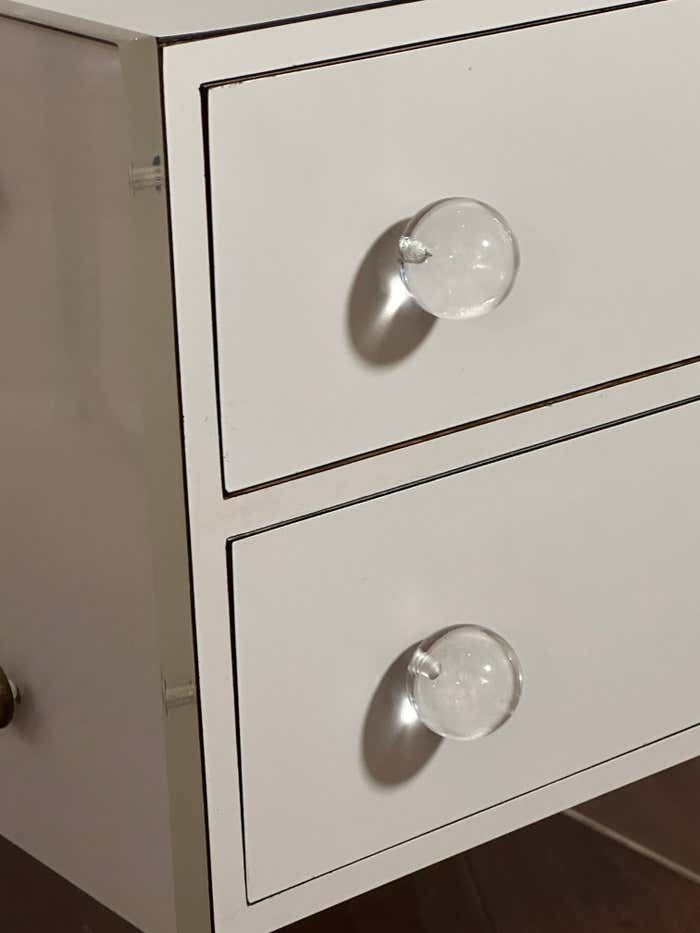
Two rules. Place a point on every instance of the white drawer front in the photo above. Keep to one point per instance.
(583, 555)
(584, 134)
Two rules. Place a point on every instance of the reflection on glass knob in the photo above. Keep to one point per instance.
(9, 698)
(458, 258)
(464, 682)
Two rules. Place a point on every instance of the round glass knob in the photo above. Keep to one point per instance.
(458, 258)
(464, 682)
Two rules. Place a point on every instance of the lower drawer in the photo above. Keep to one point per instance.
(583, 555)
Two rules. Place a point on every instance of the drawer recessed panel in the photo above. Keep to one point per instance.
(582, 556)
(582, 134)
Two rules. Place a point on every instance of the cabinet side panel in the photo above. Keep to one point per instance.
(84, 774)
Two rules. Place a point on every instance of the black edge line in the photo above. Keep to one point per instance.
(178, 371)
(464, 426)
(237, 712)
(430, 43)
(275, 23)
(204, 101)
(465, 468)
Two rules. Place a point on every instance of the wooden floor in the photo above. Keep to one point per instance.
(557, 876)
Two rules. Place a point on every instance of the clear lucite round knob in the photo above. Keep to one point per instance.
(464, 682)
(458, 258)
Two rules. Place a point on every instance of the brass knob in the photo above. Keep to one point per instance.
(9, 698)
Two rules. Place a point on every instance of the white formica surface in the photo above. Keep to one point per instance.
(163, 18)
(166, 19)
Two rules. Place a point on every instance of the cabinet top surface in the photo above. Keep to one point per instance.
(179, 18)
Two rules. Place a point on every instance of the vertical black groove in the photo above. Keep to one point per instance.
(204, 102)
(237, 709)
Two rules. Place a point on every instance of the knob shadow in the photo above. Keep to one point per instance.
(395, 743)
(384, 323)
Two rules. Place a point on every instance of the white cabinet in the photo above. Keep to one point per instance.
(244, 475)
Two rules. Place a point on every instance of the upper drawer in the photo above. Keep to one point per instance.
(583, 133)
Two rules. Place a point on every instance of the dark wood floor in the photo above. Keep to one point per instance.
(661, 813)
(557, 876)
